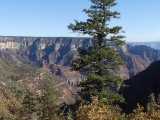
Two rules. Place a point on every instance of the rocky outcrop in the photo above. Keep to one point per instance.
(72, 77)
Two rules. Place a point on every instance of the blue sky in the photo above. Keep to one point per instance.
(140, 19)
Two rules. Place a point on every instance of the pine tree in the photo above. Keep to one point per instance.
(100, 59)
(48, 101)
(28, 106)
(153, 103)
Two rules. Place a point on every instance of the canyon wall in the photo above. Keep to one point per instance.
(57, 52)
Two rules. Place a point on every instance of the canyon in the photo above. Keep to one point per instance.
(52, 55)
(57, 52)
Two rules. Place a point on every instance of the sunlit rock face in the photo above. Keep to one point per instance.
(9, 45)
(55, 50)
(61, 50)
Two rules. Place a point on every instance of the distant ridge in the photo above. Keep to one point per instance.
(43, 36)
(154, 44)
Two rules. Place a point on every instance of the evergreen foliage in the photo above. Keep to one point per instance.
(153, 104)
(139, 114)
(28, 106)
(100, 59)
(47, 101)
(40, 107)
(111, 98)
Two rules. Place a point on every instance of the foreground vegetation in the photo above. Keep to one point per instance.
(43, 108)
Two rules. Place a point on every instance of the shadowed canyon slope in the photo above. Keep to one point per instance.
(57, 52)
(141, 85)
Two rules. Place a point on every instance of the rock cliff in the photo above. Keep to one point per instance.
(57, 52)
(138, 58)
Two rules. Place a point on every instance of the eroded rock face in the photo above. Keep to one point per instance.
(54, 50)
(59, 51)
(139, 58)
(72, 77)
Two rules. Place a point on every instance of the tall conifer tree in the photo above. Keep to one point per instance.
(101, 58)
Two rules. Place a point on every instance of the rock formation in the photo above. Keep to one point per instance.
(59, 51)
